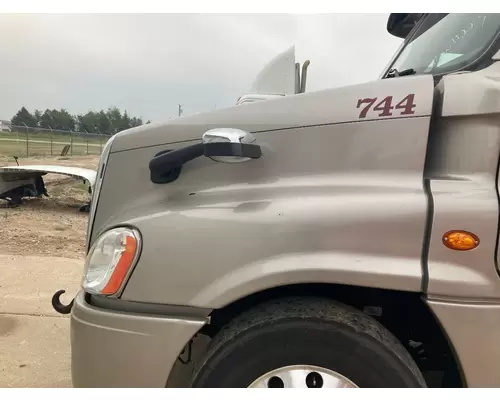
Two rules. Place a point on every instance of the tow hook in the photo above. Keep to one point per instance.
(60, 307)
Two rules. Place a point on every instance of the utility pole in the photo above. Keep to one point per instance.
(180, 110)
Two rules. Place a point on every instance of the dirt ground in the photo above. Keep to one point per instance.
(41, 251)
(51, 226)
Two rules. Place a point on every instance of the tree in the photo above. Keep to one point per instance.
(124, 122)
(103, 124)
(24, 117)
(135, 122)
(63, 120)
(38, 117)
(46, 120)
(88, 122)
(107, 122)
(58, 120)
(115, 117)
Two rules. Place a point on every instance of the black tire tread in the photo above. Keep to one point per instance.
(307, 308)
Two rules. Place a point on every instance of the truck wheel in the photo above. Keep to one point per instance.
(306, 343)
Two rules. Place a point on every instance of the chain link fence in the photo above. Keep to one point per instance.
(22, 141)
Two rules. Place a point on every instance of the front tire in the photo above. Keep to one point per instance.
(284, 343)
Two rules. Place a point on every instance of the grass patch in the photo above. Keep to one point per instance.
(55, 136)
(47, 148)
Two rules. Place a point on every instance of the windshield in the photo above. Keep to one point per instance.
(447, 42)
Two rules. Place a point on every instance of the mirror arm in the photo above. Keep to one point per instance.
(224, 145)
(176, 158)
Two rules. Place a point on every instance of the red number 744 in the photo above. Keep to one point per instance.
(385, 106)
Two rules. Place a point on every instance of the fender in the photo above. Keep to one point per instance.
(297, 230)
(328, 267)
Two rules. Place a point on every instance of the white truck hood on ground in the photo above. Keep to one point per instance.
(17, 182)
(82, 173)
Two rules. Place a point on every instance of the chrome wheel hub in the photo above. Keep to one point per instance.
(302, 376)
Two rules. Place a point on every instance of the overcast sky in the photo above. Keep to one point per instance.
(147, 63)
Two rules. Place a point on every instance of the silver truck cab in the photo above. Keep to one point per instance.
(339, 238)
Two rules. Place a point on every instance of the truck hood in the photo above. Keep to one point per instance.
(332, 106)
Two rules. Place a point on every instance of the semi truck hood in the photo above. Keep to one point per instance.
(332, 106)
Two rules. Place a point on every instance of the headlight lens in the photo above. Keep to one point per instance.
(110, 260)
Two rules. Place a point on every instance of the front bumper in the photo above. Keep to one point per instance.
(117, 349)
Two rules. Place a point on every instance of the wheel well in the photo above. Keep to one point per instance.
(405, 314)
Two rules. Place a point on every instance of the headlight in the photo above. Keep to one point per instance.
(110, 261)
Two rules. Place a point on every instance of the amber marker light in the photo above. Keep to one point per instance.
(460, 240)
